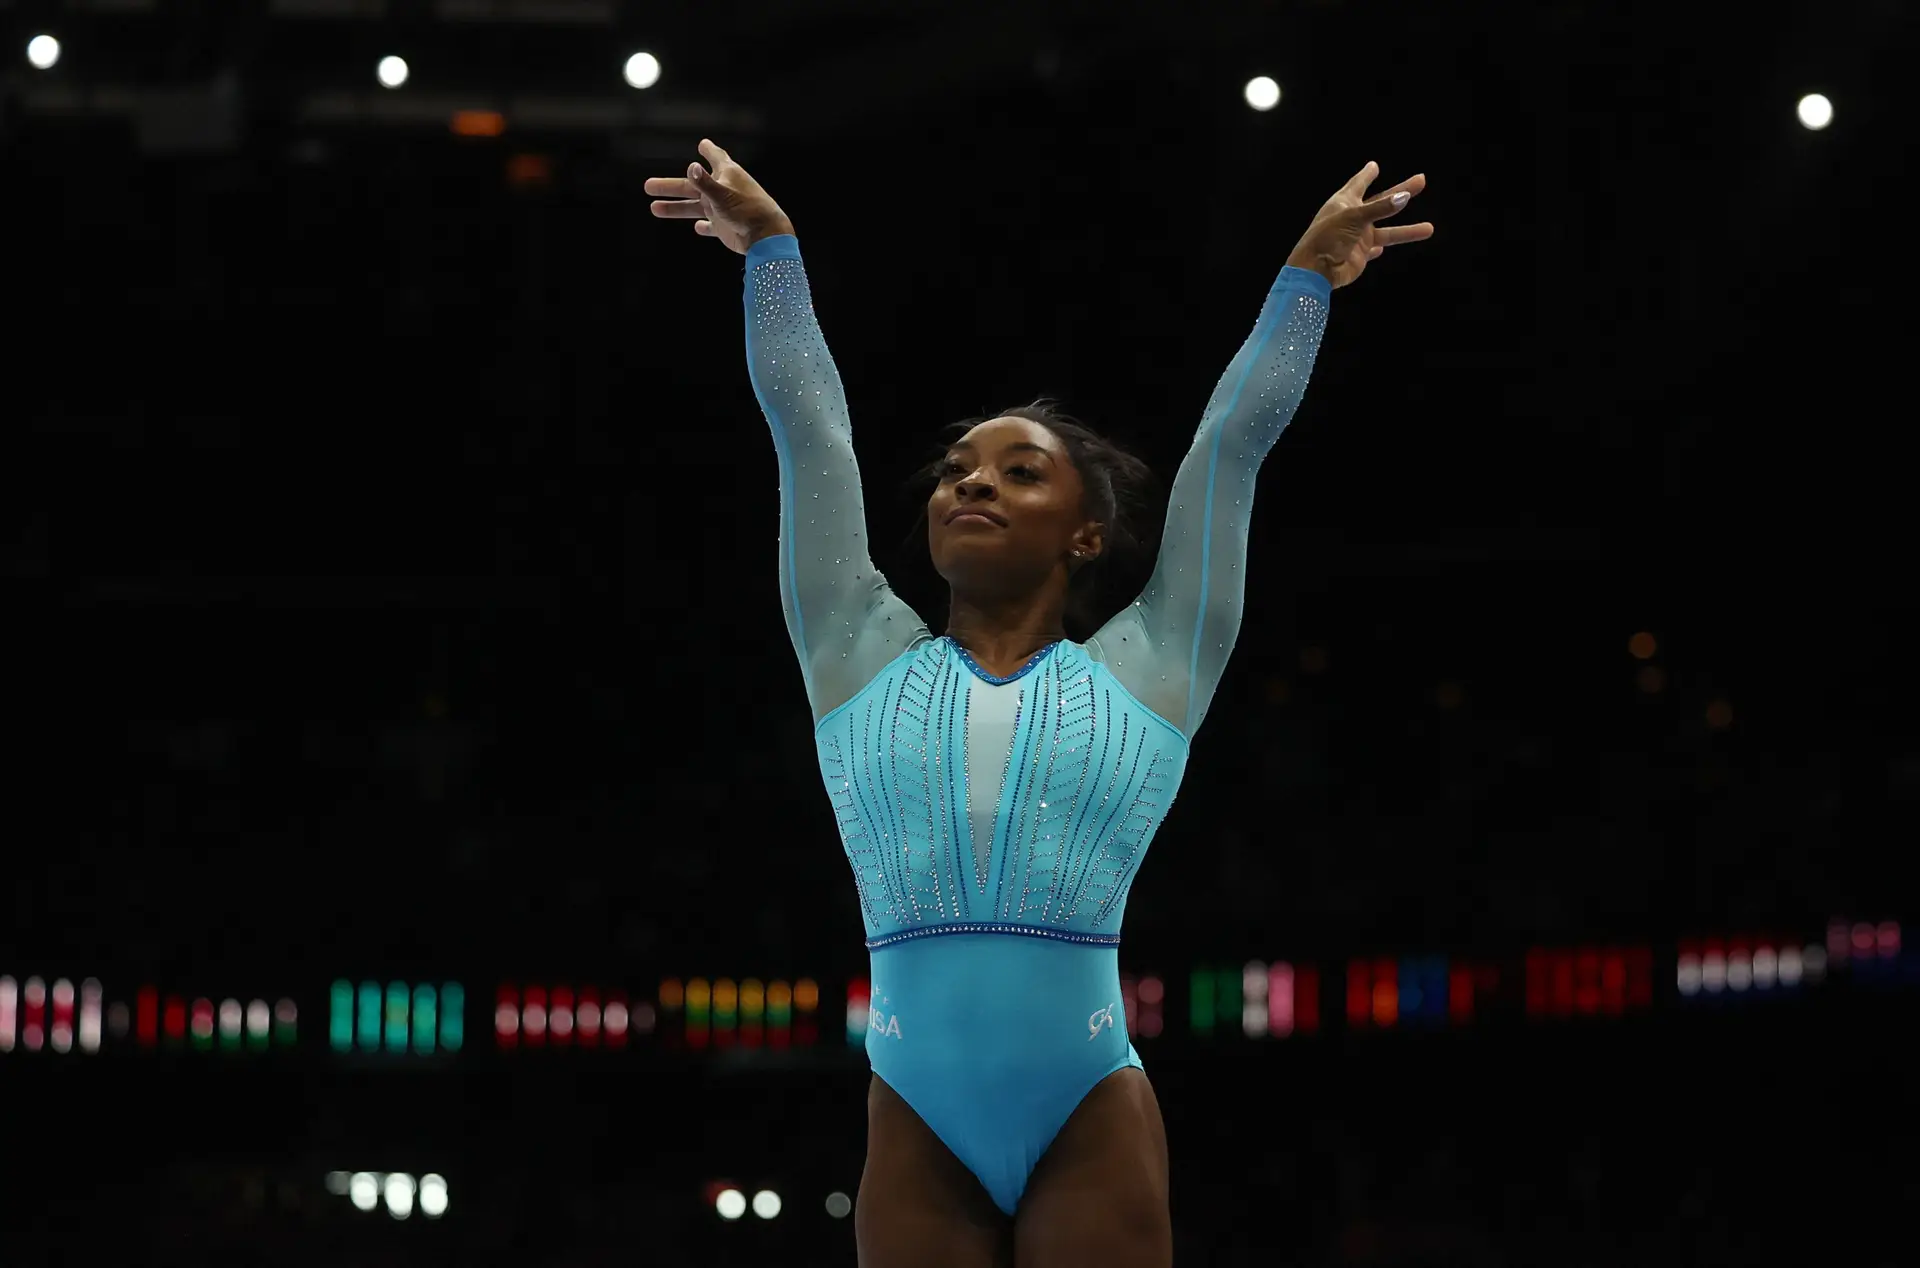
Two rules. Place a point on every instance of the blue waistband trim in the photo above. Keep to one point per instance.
(1024, 931)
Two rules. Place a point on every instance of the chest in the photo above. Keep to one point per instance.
(1030, 802)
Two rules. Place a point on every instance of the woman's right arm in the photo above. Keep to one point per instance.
(845, 621)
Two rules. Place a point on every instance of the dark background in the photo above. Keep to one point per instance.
(389, 538)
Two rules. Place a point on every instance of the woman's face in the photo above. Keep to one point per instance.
(1008, 509)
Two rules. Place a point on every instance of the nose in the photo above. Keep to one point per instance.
(974, 488)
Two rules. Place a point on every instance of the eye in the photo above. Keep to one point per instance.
(1024, 473)
(951, 468)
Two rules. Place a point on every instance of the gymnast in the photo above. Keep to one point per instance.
(996, 786)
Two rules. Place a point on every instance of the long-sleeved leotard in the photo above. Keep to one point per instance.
(994, 826)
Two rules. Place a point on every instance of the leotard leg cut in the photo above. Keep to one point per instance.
(994, 1040)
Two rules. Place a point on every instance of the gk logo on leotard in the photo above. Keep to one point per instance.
(1094, 1022)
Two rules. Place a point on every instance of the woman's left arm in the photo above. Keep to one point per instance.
(1170, 647)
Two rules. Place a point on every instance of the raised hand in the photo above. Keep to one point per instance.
(1345, 233)
(723, 203)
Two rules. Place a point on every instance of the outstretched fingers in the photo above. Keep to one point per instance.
(1394, 235)
(1392, 201)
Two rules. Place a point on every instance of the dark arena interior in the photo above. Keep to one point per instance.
(416, 850)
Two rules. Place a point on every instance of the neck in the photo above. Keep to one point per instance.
(1002, 634)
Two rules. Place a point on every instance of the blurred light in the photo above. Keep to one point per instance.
(426, 1018)
(560, 1015)
(766, 1204)
(642, 1018)
(588, 1016)
(839, 1205)
(478, 123)
(1789, 966)
(1739, 971)
(60, 1031)
(1815, 111)
(616, 1019)
(1253, 994)
(453, 1016)
(1813, 964)
(146, 1023)
(1765, 966)
(806, 995)
(1386, 994)
(1280, 999)
(337, 1183)
(859, 1000)
(1153, 991)
(533, 1015)
(1151, 1024)
(1719, 715)
(506, 1017)
(340, 1017)
(1887, 938)
(363, 1190)
(671, 995)
(1713, 971)
(232, 1017)
(1262, 92)
(1200, 1005)
(643, 70)
(9, 997)
(392, 72)
(1642, 646)
(43, 51)
(730, 1203)
(1863, 944)
(1687, 973)
(173, 1019)
(119, 1020)
(1652, 679)
(259, 1017)
(433, 1196)
(396, 1012)
(399, 1195)
(286, 1022)
(201, 1026)
(1837, 940)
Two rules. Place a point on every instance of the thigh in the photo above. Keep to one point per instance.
(919, 1207)
(1098, 1199)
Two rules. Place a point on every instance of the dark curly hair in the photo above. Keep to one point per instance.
(1120, 492)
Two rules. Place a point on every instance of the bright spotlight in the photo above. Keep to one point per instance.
(1262, 92)
(839, 1205)
(399, 1195)
(392, 71)
(766, 1204)
(1815, 111)
(364, 1190)
(43, 51)
(643, 70)
(730, 1203)
(433, 1196)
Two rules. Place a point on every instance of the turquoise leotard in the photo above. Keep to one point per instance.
(994, 826)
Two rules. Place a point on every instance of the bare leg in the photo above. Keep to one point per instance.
(919, 1207)
(1098, 1199)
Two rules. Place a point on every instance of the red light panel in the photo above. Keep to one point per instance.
(1359, 994)
(1386, 993)
(146, 1017)
(560, 1017)
(1460, 994)
(533, 1016)
(173, 1019)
